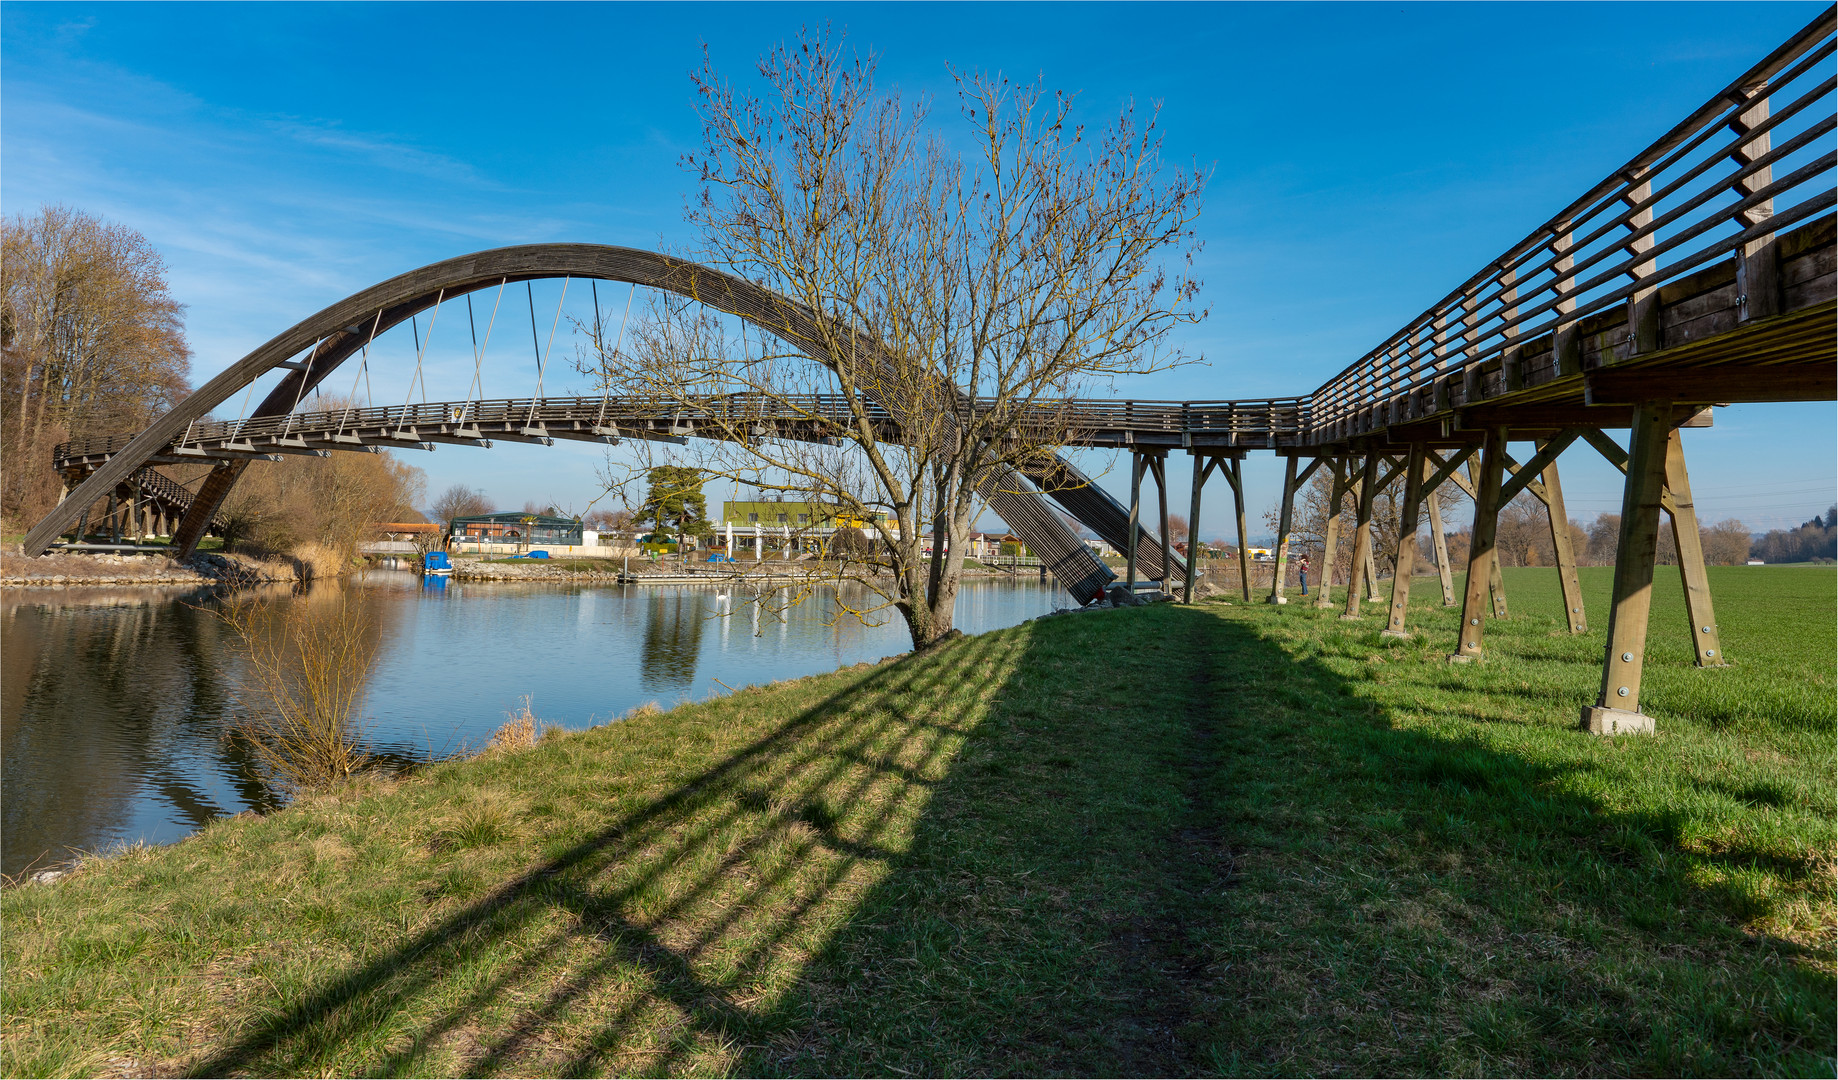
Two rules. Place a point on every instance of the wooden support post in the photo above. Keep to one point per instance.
(1440, 540)
(1481, 554)
(1201, 466)
(1330, 536)
(1244, 553)
(1617, 707)
(1496, 584)
(1159, 465)
(1373, 595)
(1706, 650)
(1233, 468)
(1282, 532)
(1562, 543)
(1404, 562)
(1129, 554)
(1362, 535)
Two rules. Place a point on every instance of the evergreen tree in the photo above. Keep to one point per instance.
(675, 503)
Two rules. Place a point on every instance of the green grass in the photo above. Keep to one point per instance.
(1209, 839)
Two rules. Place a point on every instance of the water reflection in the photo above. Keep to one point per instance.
(673, 639)
(114, 703)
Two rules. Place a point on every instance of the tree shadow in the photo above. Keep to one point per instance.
(1079, 883)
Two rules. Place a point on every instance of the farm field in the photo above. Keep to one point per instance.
(1173, 840)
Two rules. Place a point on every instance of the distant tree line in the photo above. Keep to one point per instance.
(1815, 541)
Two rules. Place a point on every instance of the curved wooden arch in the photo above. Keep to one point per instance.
(340, 331)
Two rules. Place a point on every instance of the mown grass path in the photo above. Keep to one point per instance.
(1217, 839)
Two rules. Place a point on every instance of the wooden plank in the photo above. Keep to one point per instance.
(1720, 385)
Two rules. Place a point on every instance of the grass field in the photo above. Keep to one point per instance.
(1170, 840)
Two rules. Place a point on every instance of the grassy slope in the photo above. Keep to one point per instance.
(1204, 839)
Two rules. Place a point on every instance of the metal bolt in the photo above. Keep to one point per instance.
(1710, 652)
(1627, 657)
(1622, 691)
(1470, 644)
(1576, 609)
(1706, 629)
(1474, 622)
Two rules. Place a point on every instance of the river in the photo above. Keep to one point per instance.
(114, 703)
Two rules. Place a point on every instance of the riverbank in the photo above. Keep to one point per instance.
(57, 571)
(1218, 838)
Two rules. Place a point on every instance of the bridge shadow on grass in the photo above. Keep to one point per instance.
(1141, 843)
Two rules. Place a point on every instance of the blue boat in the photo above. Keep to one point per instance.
(436, 562)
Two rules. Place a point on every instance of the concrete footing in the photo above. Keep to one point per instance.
(1597, 720)
(1350, 618)
(1460, 658)
(1401, 635)
(1277, 600)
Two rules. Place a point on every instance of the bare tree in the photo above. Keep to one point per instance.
(1726, 543)
(958, 298)
(305, 666)
(332, 503)
(92, 341)
(458, 501)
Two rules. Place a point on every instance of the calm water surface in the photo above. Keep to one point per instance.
(113, 703)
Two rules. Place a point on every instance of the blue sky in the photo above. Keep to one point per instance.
(1366, 158)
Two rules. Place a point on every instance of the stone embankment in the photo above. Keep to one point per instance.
(61, 571)
(466, 570)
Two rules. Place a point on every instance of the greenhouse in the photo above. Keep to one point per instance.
(514, 527)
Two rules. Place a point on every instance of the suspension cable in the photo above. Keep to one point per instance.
(300, 392)
(542, 361)
(478, 354)
(363, 368)
(606, 381)
(421, 351)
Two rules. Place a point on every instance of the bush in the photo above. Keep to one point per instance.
(302, 680)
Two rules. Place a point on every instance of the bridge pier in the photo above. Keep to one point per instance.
(1404, 562)
(1483, 562)
(1282, 531)
(1563, 544)
(1617, 707)
(1202, 467)
(1706, 649)
(1440, 542)
(1361, 570)
(1330, 535)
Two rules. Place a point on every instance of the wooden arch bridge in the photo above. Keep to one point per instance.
(1700, 273)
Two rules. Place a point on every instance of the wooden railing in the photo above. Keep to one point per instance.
(1753, 161)
(1073, 421)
